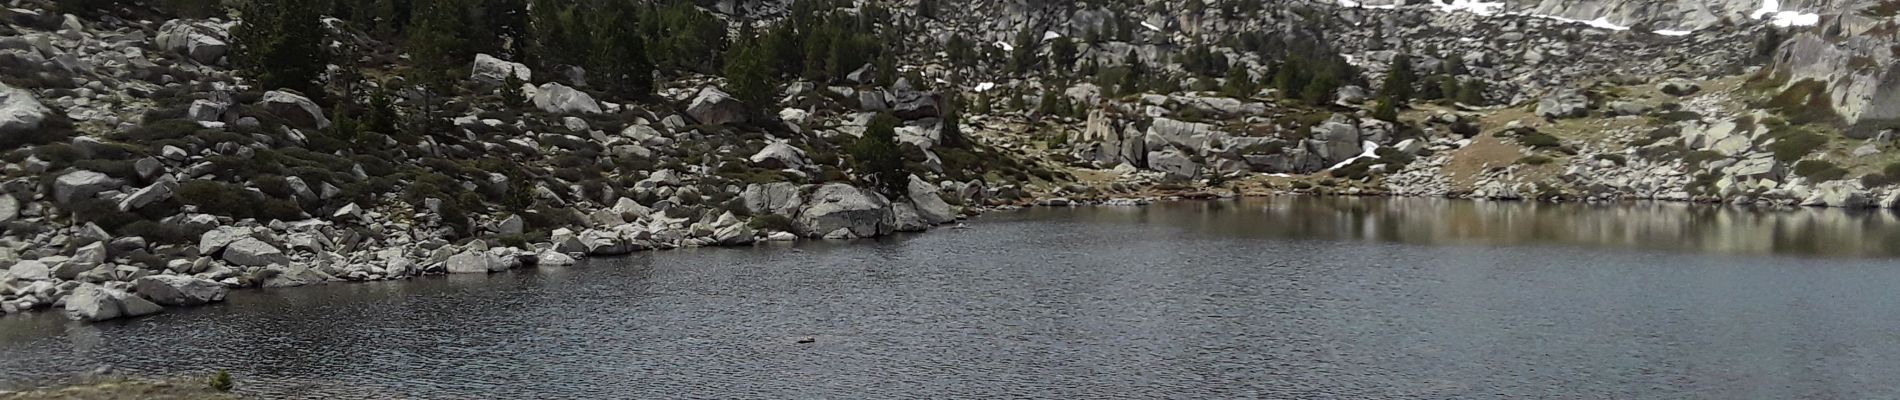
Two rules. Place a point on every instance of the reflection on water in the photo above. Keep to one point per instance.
(1827, 232)
(1269, 298)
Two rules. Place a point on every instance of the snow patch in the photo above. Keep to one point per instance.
(1473, 6)
(1050, 35)
(1005, 46)
(1494, 8)
(1151, 27)
(985, 86)
(1371, 152)
(1783, 18)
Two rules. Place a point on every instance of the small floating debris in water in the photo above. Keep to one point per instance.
(807, 339)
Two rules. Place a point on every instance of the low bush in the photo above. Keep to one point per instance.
(1794, 144)
(1539, 140)
(1819, 170)
(235, 201)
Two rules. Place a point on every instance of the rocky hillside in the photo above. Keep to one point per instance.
(155, 156)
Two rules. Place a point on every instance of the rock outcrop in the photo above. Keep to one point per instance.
(840, 211)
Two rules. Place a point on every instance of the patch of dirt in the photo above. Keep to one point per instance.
(1485, 151)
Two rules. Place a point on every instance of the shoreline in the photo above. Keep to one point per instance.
(480, 256)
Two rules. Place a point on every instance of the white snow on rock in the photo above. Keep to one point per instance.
(1771, 9)
(1371, 151)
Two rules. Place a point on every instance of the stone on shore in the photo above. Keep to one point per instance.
(175, 290)
(842, 211)
(93, 303)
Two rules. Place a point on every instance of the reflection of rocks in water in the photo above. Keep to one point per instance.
(1643, 225)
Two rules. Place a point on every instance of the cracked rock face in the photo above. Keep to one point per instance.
(843, 211)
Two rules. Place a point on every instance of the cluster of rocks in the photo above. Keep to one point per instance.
(105, 76)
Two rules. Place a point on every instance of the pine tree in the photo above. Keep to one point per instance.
(431, 44)
(953, 129)
(1048, 106)
(749, 76)
(786, 49)
(1472, 92)
(1239, 82)
(510, 92)
(877, 154)
(817, 52)
(1022, 53)
(1399, 80)
(1062, 54)
(280, 45)
(619, 61)
(1386, 110)
(887, 68)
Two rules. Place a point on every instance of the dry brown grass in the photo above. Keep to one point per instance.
(1485, 151)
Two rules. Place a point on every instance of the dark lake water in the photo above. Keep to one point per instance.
(1264, 298)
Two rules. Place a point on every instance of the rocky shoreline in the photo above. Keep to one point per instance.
(144, 166)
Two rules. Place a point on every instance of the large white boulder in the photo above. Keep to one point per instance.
(929, 202)
(840, 210)
(92, 303)
(156, 192)
(490, 71)
(31, 270)
(19, 111)
(202, 41)
(176, 290)
(905, 218)
(779, 155)
(558, 98)
(255, 253)
(714, 107)
(1174, 163)
(772, 198)
(296, 109)
(81, 185)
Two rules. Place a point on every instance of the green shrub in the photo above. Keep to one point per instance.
(1805, 102)
(220, 381)
(1794, 144)
(1539, 140)
(160, 233)
(1819, 170)
(1875, 179)
(101, 211)
(52, 130)
(218, 198)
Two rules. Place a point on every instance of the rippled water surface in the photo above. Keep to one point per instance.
(1276, 298)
